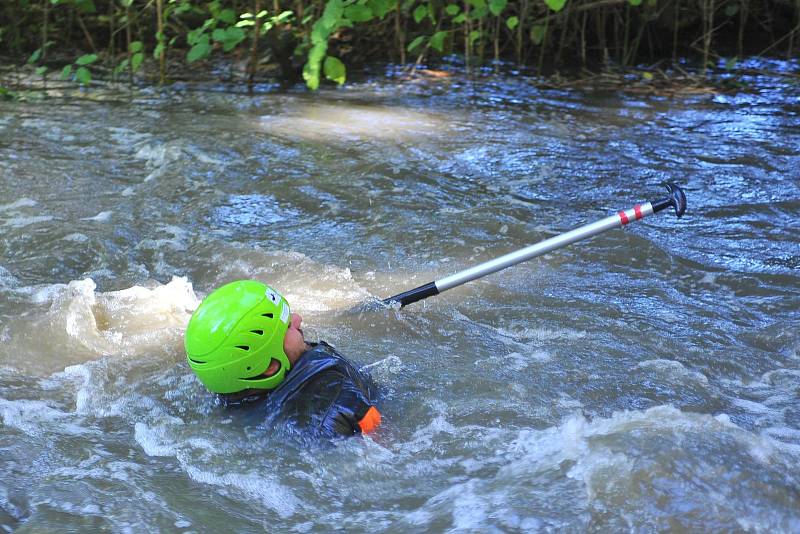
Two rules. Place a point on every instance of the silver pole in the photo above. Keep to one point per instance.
(676, 200)
(543, 247)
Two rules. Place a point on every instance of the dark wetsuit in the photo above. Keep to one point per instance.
(323, 394)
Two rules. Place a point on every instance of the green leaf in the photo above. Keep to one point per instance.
(35, 56)
(478, 13)
(246, 16)
(245, 23)
(122, 66)
(136, 46)
(474, 35)
(261, 14)
(199, 51)
(497, 6)
(283, 17)
(332, 15)
(136, 61)
(358, 13)
(730, 63)
(334, 70)
(86, 59)
(379, 7)
(537, 34)
(647, 76)
(312, 67)
(311, 77)
(85, 6)
(233, 36)
(459, 19)
(420, 13)
(193, 36)
(478, 4)
(452, 9)
(83, 76)
(157, 51)
(555, 5)
(437, 41)
(415, 43)
(65, 72)
(183, 8)
(512, 22)
(228, 16)
(635, 3)
(41, 70)
(218, 35)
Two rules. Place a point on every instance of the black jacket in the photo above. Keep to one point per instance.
(323, 395)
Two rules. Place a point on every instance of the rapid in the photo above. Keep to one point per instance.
(647, 379)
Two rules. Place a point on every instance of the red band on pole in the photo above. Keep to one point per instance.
(638, 210)
(623, 218)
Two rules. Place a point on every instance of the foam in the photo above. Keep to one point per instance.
(21, 203)
(271, 493)
(7, 279)
(36, 418)
(603, 459)
(21, 222)
(83, 324)
(76, 238)
(103, 216)
(673, 369)
(309, 286)
(161, 440)
(179, 240)
(343, 120)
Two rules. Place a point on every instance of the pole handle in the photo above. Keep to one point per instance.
(676, 199)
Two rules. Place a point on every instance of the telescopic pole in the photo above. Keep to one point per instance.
(676, 199)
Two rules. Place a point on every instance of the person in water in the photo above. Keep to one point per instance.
(244, 344)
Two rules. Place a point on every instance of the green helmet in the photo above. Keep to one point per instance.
(235, 333)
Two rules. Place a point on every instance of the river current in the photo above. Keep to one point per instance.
(647, 379)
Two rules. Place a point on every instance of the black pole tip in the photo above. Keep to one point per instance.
(677, 198)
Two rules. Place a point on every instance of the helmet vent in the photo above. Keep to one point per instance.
(257, 332)
(267, 315)
(243, 347)
(196, 361)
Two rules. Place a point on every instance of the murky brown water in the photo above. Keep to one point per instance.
(648, 379)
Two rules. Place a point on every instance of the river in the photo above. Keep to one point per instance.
(647, 379)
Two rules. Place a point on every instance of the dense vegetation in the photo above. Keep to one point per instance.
(314, 39)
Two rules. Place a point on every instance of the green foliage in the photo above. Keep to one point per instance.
(7, 94)
(86, 59)
(420, 13)
(78, 69)
(437, 41)
(497, 6)
(227, 30)
(334, 70)
(556, 5)
(413, 45)
(358, 13)
(537, 34)
(136, 50)
(330, 33)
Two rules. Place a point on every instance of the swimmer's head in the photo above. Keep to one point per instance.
(243, 336)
